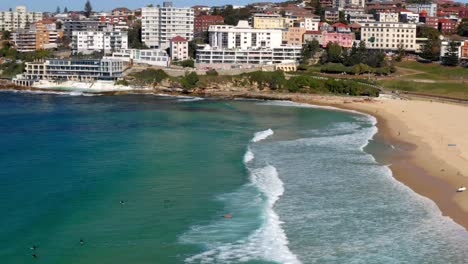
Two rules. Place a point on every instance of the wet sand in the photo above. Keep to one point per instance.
(431, 142)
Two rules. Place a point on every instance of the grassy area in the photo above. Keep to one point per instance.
(431, 71)
(452, 89)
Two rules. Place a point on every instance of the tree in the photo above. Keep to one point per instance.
(6, 35)
(427, 32)
(65, 10)
(342, 17)
(401, 52)
(88, 9)
(190, 81)
(134, 36)
(319, 10)
(462, 29)
(58, 10)
(430, 50)
(309, 50)
(334, 52)
(450, 57)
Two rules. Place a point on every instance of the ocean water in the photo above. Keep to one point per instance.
(150, 179)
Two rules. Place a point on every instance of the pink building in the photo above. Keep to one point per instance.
(345, 40)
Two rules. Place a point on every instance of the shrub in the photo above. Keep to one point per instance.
(190, 80)
(122, 82)
(275, 80)
(150, 76)
(212, 72)
(186, 63)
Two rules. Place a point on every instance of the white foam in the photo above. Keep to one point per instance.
(191, 99)
(262, 135)
(69, 93)
(249, 156)
(269, 242)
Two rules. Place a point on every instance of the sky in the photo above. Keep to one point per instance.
(107, 5)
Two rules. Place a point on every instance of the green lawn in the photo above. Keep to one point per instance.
(434, 71)
(457, 90)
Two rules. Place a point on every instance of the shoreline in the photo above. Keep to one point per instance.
(418, 162)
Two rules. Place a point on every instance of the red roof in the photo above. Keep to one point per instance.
(178, 39)
(341, 25)
(445, 20)
(310, 32)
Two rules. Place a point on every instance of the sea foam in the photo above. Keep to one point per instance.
(268, 242)
(262, 135)
(249, 156)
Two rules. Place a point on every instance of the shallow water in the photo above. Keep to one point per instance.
(296, 180)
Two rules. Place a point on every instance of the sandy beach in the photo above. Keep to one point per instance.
(434, 147)
(430, 139)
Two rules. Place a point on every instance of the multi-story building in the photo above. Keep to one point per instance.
(309, 23)
(122, 11)
(244, 36)
(313, 35)
(179, 48)
(243, 44)
(71, 26)
(293, 36)
(226, 58)
(161, 24)
(389, 36)
(201, 10)
(444, 47)
(409, 17)
(464, 50)
(41, 35)
(87, 42)
(80, 70)
(387, 17)
(332, 14)
(430, 8)
(355, 3)
(202, 23)
(345, 40)
(18, 19)
(447, 26)
(268, 21)
(155, 57)
(430, 21)
(360, 18)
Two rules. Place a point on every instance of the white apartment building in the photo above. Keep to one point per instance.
(18, 19)
(243, 44)
(102, 41)
(355, 3)
(161, 24)
(389, 36)
(226, 58)
(430, 8)
(388, 17)
(309, 23)
(409, 17)
(359, 18)
(179, 48)
(155, 57)
(243, 37)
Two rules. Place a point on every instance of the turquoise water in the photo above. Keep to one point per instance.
(297, 181)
